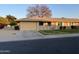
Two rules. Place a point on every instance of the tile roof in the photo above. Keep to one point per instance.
(49, 19)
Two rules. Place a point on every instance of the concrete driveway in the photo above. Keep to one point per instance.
(9, 35)
(12, 35)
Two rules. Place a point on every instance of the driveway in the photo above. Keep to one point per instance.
(9, 35)
(12, 35)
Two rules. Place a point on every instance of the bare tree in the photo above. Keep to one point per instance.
(39, 10)
(45, 11)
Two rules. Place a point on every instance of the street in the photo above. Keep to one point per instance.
(67, 45)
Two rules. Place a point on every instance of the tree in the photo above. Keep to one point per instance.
(45, 11)
(39, 10)
(3, 20)
(11, 18)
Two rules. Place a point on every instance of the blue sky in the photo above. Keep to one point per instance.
(58, 10)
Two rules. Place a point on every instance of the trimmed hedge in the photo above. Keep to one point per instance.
(62, 27)
(74, 27)
(17, 28)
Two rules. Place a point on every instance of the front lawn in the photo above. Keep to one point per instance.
(66, 31)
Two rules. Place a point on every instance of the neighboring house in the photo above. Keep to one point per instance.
(46, 24)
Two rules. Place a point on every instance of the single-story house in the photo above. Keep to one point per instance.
(46, 24)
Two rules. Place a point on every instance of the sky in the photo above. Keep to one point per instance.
(58, 10)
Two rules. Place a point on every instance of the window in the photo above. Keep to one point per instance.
(41, 23)
(49, 23)
(59, 23)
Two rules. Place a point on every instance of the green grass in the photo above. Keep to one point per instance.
(66, 31)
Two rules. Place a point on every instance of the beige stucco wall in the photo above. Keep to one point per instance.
(28, 25)
(35, 26)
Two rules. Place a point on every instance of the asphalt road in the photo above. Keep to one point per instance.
(68, 45)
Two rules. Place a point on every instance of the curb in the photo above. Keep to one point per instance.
(61, 36)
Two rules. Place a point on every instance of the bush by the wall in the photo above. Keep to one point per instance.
(62, 27)
(13, 23)
(74, 27)
(17, 28)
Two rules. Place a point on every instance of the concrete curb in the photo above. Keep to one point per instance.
(61, 35)
(54, 36)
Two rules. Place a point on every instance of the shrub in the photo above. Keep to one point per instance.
(62, 27)
(74, 27)
(17, 28)
(13, 23)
